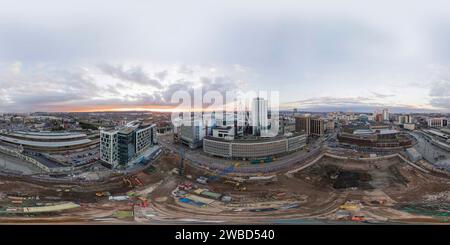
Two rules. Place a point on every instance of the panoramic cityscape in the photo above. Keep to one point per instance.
(137, 167)
(224, 114)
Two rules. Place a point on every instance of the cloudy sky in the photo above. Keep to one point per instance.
(320, 55)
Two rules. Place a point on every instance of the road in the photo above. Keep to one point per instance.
(16, 165)
(198, 158)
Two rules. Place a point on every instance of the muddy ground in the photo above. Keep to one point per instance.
(320, 188)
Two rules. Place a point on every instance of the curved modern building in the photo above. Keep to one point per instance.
(380, 138)
(253, 148)
(48, 141)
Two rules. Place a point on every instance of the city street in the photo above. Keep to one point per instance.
(200, 159)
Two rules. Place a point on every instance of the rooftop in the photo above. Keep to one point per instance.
(44, 144)
(253, 139)
(376, 131)
(46, 135)
(386, 131)
(127, 130)
(363, 131)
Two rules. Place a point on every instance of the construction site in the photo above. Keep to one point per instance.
(328, 188)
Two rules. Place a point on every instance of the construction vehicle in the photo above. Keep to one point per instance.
(102, 193)
(231, 182)
(237, 185)
(143, 202)
(127, 181)
(349, 206)
(358, 218)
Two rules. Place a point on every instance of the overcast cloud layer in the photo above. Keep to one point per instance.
(320, 55)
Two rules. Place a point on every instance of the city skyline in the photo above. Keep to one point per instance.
(112, 56)
(249, 119)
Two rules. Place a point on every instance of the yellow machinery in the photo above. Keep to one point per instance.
(237, 185)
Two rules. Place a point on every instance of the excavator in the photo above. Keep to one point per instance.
(127, 181)
(237, 185)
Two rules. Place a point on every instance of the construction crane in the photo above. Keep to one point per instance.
(181, 152)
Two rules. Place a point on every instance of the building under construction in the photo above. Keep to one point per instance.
(379, 138)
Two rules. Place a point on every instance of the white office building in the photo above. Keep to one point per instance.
(259, 115)
(437, 122)
(385, 114)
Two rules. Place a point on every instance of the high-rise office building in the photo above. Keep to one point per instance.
(385, 114)
(259, 116)
(310, 125)
(402, 119)
(123, 145)
(126, 144)
(317, 126)
(303, 124)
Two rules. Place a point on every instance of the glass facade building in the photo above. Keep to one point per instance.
(127, 149)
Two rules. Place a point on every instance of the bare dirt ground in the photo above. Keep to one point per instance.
(381, 189)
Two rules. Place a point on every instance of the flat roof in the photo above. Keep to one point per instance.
(45, 144)
(56, 136)
(254, 139)
(44, 133)
(435, 132)
(127, 129)
(363, 131)
(387, 131)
